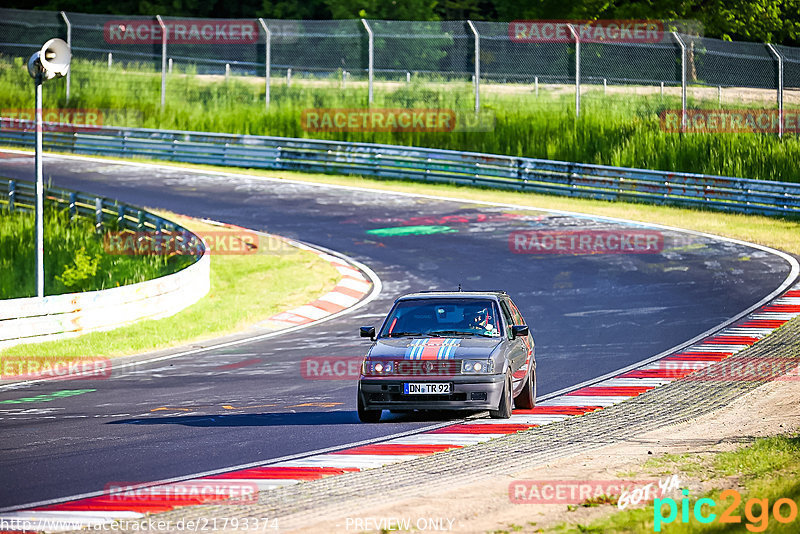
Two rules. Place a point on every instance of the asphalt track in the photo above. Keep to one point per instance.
(591, 314)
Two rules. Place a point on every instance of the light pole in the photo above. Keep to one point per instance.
(52, 61)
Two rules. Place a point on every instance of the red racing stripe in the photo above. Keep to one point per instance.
(611, 391)
(558, 410)
(74, 506)
(763, 323)
(136, 503)
(657, 373)
(284, 473)
(697, 357)
(499, 428)
(349, 292)
(782, 308)
(731, 340)
(329, 307)
(396, 448)
(431, 349)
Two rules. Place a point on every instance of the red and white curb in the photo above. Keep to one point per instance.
(107, 508)
(352, 288)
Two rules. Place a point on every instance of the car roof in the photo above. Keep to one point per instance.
(453, 294)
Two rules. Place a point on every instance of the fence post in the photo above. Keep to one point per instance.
(779, 57)
(73, 206)
(371, 56)
(163, 60)
(477, 66)
(683, 79)
(12, 193)
(69, 44)
(267, 60)
(577, 70)
(98, 214)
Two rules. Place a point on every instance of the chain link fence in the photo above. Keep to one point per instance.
(158, 55)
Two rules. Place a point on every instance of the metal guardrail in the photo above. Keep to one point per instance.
(424, 164)
(108, 214)
(59, 316)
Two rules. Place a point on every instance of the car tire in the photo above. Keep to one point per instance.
(503, 410)
(367, 416)
(527, 397)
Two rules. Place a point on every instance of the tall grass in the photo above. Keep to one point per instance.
(614, 130)
(74, 257)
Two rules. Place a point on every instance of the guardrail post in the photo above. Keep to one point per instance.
(371, 56)
(779, 57)
(163, 60)
(12, 192)
(73, 206)
(683, 79)
(267, 60)
(477, 66)
(577, 70)
(140, 223)
(98, 214)
(69, 44)
(120, 216)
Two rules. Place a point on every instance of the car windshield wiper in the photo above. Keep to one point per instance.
(401, 334)
(458, 333)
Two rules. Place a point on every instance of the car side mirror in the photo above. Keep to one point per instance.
(367, 331)
(519, 330)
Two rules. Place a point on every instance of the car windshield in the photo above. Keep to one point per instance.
(443, 317)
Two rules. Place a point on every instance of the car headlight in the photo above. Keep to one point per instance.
(379, 368)
(478, 367)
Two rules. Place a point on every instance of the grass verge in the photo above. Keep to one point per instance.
(245, 289)
(74, 257)
(762, 474)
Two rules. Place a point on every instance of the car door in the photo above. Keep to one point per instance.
(518, 350)
(527, 340)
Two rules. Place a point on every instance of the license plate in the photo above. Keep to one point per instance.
(426, 388)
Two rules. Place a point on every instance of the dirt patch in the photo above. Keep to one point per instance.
(485, 507)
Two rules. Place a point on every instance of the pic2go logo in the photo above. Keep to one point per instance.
(756, 511)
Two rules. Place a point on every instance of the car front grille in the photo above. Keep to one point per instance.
(410, 399)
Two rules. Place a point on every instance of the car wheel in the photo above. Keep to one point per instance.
(527, 397)
(367, 416)
(503, 410)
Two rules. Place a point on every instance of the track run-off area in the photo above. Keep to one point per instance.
(643, 290)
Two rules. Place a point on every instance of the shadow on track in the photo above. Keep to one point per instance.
(285, 419)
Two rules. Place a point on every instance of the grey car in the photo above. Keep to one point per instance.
(458, 350)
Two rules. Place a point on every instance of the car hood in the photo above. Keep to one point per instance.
(433, 348)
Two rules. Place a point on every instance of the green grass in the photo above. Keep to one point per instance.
(615, 130)
(768, 469)
(74, 257)
(245, 289)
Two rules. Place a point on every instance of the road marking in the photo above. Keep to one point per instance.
(47, 397)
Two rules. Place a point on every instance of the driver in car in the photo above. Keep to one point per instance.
(482, 320)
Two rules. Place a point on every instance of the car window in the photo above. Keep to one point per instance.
(518, 319)
(508, 317)
(443, 317)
